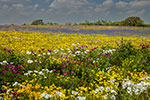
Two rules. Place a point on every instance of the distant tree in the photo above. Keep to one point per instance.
(104, 22)
(109, 22)
(75, 24)
(49, 23)
(117, 23)
(68, 23)
(133, 21)
(98, 23)
(38, 22)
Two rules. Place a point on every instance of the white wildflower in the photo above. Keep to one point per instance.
(85, 52)
(74, 92)
(112, 80)
(113, 91)
(28, 52)
(16, 83)
(73, 44)
(107, 88)
(29, 71)
(96, 91)
(105, 96)
(30, 61)
(4, 62)
(35, 71)
(80, 98)
(1, 98)
(129, 90)
(7, 92)
(113, 97)
(48, 53)
(41, 73)
(77, 52)
(25, 74)
(101, 88)
(11, 62)
(45, 77)
(51, 71)
(78, 43)
(59, 93)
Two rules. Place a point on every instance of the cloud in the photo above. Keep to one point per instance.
(108, 3)
(36, 6)
(122, 4)
(133, 4)
(135, 12)
(12, 0)
(5, 6)
(61, 11)
(104, 6)
(17, 5)
(140, 3)
(71, 4)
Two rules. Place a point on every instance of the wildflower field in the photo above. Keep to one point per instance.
(74, 66)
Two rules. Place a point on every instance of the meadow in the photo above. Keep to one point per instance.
(74, 63)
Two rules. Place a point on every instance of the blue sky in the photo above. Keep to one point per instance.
(62, 11)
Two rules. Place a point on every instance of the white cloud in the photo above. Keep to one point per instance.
(100, 9)
(17, 5)
(104, 6)
(47, 0)
(36, 6)
(42, 9)
(133, 4)
(122, 4)
(5, 6)
(140, 3)
(134, 13)
(12, 0)
(141, 12)
(108, 3)
(71, 4)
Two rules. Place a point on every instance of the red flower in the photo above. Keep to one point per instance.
(4, 90)
(4, 65)
(81, 82)
(102, 47)
(49, 50)
(9, 50)
(4, 71)
(102, 54)
(19, 66)
(14, 93)
(72, 72)
(57, 73)
(54, 70)
(143, 60)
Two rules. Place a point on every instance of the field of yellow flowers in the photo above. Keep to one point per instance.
(62, 66)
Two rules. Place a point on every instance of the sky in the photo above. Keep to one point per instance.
(62, 11)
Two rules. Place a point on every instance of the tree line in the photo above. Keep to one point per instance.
(130, 21)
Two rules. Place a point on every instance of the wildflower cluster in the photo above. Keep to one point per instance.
(79, 67)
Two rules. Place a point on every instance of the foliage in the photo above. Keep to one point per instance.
(37, 22)
(68, 23)
(133, 21)
(130, 21)
(130, 58)
(73, 66)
